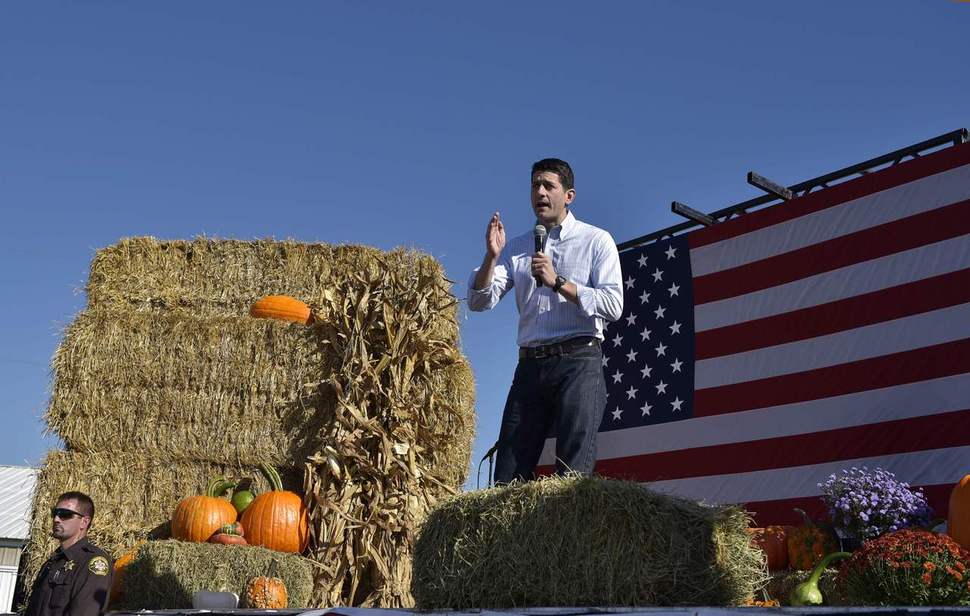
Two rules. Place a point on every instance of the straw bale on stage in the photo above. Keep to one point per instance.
(574, 542)
(165, 574)
(164, 381)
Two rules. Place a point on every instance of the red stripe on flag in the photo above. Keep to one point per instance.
(781, 511)
(885, 239)
(884, 371)
(951, 429)
(884, 305)
(883, 179)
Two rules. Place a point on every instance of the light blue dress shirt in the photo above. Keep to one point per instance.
(582, 254)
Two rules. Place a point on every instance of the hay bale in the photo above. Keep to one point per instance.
(134, 496)
(217, 389)
(582, 542)
(165, 574)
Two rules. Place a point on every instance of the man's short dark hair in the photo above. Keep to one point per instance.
(557, 166)
(84, 503)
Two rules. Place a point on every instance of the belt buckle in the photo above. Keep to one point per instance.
(541, 351)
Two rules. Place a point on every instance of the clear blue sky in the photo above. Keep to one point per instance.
(408, 123)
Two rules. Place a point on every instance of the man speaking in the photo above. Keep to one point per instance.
(568, 284)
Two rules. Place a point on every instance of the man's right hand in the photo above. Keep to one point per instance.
(494, 237)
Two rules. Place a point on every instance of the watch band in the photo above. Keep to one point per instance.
(560, 281)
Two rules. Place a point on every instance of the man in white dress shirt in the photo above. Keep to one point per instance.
(565, 294)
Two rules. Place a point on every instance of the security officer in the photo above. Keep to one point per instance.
(76, 579)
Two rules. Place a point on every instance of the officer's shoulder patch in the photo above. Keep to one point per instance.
(98, 565)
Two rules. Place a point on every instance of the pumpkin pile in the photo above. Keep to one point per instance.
(337, 366)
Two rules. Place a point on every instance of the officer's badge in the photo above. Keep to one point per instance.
(98, 565)
(69, 566)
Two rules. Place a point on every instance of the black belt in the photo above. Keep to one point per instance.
(558, 348)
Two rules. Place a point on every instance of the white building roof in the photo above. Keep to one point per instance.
(16, 496)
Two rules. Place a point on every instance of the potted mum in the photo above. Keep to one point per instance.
(864, 505)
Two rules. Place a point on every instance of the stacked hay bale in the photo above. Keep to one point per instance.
(165, 381)
(573, 542)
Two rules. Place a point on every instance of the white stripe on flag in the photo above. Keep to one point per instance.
(903, 334)
(876, 274)
(918, 399)
(915, 197)
(917, 468)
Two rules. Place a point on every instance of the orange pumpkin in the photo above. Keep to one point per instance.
(119, 571)
(773, 541)
(277, 519)
(197, 517)
(266, 593)
(808, 544)
(281, 307)
(958, 518)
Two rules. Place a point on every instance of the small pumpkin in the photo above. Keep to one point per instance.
(229, 534)
(119, 571)
(773, 541)
(958, 517)
(281, 307)
(266, 593)
(277, 519)
(809, 543)
(196, 518)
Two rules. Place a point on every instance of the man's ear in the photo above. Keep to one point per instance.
(570, 195)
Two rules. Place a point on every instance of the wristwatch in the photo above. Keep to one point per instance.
(559, 282)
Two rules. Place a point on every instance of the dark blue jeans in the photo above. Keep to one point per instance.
(562, 396)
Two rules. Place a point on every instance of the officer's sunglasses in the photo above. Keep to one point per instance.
(64, 514)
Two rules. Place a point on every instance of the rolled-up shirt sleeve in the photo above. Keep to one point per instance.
(604, 297)
(485, 299)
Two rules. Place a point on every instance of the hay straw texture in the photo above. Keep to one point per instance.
(582, 542)
(165, 574)
(134, 496)
(220, 389)
(164, 381)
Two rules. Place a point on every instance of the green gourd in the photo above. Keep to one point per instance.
(807, 593)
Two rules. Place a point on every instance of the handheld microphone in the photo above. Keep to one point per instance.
(539, 233)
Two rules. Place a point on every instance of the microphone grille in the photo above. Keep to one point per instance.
(539, 231)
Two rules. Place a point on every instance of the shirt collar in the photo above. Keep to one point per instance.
(73, 552)
(567, 226)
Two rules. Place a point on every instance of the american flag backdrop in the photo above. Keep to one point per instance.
(758, 356)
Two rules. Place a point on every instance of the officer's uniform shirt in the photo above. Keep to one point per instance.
(73, 582)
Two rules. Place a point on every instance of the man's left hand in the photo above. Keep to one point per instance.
(542, 267)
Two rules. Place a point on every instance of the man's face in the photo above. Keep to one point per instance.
(66, 525)
(549, 200)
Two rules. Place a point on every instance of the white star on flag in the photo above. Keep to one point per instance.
(646, 371)
(631, 319)
(617, 340)
(657, 274)
(631, 356)
(674, 290)
(631, 393)
(644, 297)
(645, 334)
(617, 377)
(629, 282)
(642, 260)
(661, 349)
(671, 252)
(617, 413)
(645, 409)
(606, 360)
(660, 312)
(676, 403)
(675, 366)
(661, 387)
(675, 328)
